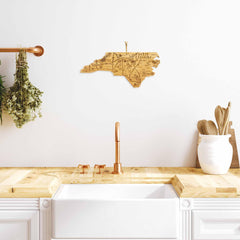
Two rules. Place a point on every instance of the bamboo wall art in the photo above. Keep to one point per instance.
(134, 66)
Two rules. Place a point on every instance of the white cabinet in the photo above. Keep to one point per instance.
(19, 219)
(19, 225)
(210, 219)
(200, 219)
(216, 224)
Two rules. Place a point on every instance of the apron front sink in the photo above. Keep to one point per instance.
(115, 211)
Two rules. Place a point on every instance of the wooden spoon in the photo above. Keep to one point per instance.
(207, 127)
(201, 125)
(219, 116)
(211, 128)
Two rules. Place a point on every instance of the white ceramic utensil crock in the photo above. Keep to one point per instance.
(215, 153)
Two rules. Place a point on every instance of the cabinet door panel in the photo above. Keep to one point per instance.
(19, 225)
(216, 224)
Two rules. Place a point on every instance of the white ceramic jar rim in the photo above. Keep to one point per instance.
(215, 137)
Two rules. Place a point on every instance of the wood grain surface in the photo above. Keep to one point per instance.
(188, 182)
(134, 66)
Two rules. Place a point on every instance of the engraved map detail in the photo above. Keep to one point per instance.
(134, 66)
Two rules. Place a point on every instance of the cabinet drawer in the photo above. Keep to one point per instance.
(215, 224)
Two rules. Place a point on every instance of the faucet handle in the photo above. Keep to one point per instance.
(83, 167)
(99, 167)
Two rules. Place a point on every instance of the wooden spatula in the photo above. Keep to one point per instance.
(226, 119)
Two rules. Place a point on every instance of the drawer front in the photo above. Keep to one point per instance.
(215, 224)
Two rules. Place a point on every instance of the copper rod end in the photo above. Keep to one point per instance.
(38, 51)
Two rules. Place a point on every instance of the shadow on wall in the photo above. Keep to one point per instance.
(191, 154)
(188, 158)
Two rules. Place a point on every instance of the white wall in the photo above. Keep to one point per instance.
(199, 47)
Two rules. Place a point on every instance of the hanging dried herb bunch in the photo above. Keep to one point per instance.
(22, 101)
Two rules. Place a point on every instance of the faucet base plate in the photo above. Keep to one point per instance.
(117, 168)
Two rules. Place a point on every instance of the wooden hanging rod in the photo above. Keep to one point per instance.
(37, 50)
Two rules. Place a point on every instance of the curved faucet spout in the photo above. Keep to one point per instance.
(117, 131)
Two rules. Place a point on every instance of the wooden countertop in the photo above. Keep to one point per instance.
(188, 182)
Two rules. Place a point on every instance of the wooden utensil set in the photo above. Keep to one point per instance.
(208, 127)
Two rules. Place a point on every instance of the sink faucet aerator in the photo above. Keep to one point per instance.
(117, 165)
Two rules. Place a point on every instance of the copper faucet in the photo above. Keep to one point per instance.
(117, 169)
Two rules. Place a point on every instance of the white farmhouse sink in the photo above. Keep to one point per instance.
(115, 211)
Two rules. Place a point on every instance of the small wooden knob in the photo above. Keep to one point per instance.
(99, 167)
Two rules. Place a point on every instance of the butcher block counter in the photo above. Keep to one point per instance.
(188, 182)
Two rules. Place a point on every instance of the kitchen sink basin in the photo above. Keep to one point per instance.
(115, 211)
